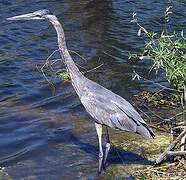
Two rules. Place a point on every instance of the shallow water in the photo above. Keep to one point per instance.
(46, 134)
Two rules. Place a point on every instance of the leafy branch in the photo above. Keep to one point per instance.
(167, 51)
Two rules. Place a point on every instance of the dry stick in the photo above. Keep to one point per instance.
(78, 55)
(87, 71)
(171, 118)
(143, 112)
(183, 140)
(156, 93)
(47, 60)
(150, 125)
(93, 68)
(179, 114)
(163, 120)
(170, 147)
(158, 128)
(183, 143)
(153, 112)
(48, 64)
(55, 60)
(158, 84)
(167, 119)
(178, 127)
(176, 153)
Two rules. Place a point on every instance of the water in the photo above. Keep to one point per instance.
(46, 134)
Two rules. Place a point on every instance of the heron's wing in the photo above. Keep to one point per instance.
(112, 110)
(117, 100)
(127, 108)
(106, 112)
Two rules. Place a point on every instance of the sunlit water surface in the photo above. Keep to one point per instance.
(45, 133)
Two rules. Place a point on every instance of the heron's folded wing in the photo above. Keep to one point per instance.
(126, 107)
(121, 103)
(141, 127)
(104, 111)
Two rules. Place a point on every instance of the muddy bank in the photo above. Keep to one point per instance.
(135, 154)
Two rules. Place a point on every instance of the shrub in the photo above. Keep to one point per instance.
(167, 51)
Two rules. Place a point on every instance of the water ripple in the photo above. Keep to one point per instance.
(49, 136)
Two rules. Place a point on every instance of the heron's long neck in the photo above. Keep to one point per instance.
(63, 48)
(76, 76)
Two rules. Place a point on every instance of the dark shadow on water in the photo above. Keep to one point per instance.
(116, 155)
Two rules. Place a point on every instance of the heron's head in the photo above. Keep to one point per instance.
(37, 15)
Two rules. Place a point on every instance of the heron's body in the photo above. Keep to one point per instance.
(106, 107)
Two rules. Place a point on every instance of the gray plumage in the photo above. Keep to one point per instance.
(106, 107)
(109, 109)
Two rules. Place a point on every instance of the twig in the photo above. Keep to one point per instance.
(47, 62)
(78, 55)
(169, 119)
(158, 84)
(93, 68)
(143, 112)
(158, 128)
(150, 125)
(156, 93)
(170, 147)
(80, 66)
(183, 141)
(178, 127)
(176, 153)
(42, 70)
(153, 112)
(53, 61)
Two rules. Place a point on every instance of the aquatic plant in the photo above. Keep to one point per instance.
(64, 75)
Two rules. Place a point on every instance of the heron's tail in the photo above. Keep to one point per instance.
(144, 130)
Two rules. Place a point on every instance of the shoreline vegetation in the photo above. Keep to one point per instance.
(167, 52)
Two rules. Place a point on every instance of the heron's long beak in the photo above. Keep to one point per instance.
(24, 17)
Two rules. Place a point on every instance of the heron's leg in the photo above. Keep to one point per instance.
(107, 147)
(99, 133)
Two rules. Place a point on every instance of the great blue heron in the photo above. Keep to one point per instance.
(107, 108)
